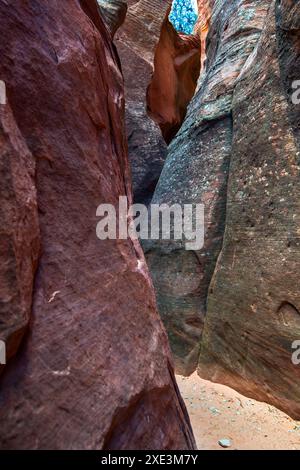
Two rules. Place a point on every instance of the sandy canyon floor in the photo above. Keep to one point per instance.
(218, 412)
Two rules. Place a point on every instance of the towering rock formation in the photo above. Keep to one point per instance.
(94, 370)
(196, 171)
(254, 302)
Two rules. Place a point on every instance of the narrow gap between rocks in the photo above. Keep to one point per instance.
(177, 65)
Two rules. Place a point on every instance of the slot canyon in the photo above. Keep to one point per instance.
(117, 343)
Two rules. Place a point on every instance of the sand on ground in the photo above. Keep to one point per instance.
(218, 412)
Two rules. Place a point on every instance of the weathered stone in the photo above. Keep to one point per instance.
(176, 71)
(202, 25)
(95, 370)
(196, 171)
(19, 232)
(148, 44)
(254, 302)
(114, 13)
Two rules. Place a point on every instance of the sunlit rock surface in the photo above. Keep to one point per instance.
(153, 54)
(176, 71)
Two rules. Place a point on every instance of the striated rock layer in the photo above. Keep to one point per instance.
(254, 302)
(202, 25)
(94, 372)
(196, 171)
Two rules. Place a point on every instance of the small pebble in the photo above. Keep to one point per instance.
(225, 443)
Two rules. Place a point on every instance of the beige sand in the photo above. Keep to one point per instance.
(218, 412)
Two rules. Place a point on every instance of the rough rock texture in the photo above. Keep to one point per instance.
(202, 25)
(136, 42)
(196, 171)
(114, 13)
(19, 232)
(176, 72)
(94, 372)
(254, 302)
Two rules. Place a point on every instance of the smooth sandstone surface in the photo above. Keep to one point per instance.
(161, 68)
(177, 64)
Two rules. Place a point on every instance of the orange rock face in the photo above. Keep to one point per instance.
(202, 25)
(176, 71)
(94, 371)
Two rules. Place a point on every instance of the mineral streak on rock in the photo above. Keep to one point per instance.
(254, 302)
(94, 372)
(202, 25)
(196, 171)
